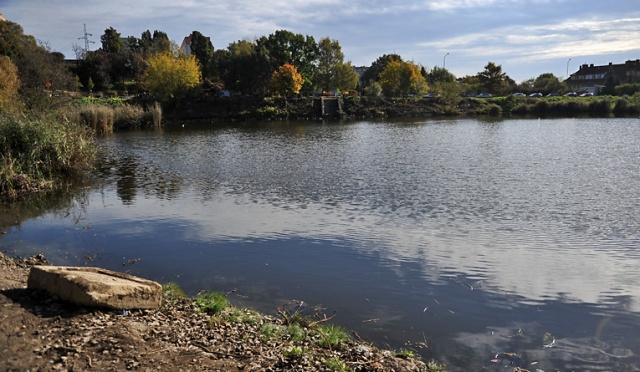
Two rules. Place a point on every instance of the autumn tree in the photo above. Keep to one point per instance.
(167, 75)
(402, 79)
(286, 80)
(9, 85)
(38, 67)
(373, 72)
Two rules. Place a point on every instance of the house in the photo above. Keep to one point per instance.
(590, 78)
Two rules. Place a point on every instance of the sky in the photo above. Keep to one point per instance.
(526, 37)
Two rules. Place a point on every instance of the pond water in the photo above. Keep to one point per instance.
(496, 243)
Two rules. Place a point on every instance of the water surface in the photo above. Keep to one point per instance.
(477, 238)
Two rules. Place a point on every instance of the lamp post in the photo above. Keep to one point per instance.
(444, 61)
(568, 67)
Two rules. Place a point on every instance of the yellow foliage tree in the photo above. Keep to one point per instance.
(286, 80)
(9, 85)
(168, 75)
(402, 78)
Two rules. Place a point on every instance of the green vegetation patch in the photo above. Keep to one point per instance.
(212, 302)
(36, 154)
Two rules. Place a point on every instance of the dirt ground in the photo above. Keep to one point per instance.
(40, 333)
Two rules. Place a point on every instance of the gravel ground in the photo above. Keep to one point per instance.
(40, 333)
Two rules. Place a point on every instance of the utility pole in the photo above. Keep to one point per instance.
(86, 39)
(444, 61)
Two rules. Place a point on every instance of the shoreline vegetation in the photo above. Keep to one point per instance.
(37, 152)
(200, 334)
(217, 109)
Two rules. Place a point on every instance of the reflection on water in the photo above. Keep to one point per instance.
(480, 239)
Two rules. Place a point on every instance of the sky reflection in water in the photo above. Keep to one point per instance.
(464, 234)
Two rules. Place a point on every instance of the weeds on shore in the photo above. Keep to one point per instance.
(298, 337)
(35, 153)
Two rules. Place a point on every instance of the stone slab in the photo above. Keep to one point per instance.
(96, 287)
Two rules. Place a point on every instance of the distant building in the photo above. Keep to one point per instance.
(590, 78)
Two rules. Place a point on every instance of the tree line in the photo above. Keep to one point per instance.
(282, 63)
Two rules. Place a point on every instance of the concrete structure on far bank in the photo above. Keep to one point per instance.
(590, 78)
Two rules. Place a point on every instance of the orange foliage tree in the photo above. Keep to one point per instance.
(286, 80)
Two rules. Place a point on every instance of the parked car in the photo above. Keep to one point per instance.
(587, 94)
(553, 94)
(571, 94)
(484, 95)
(519, 94)
(431, 95)
(535, 95)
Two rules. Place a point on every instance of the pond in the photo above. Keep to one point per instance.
(493, 243)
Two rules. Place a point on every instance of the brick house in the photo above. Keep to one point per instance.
(590, 78)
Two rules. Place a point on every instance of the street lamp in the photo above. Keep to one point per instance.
(444, 61)
(568, 67)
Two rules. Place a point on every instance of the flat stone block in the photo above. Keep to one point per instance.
(96, 287)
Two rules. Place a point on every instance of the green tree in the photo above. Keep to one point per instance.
(202, 48)
(286, 47)
(373, 89)
(373, 72)
(111, 41)
(167, 75)
(153, 43)
(548, 83)
(439, 75)
(332, 72)
(286, 80)
(492, 79)
(448, 92)
(244, 70)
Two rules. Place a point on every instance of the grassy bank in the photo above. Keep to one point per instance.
(36, 153)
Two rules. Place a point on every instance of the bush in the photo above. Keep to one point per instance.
(36, 153)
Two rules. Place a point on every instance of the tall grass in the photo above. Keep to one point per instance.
(104, 117)
(35, 153)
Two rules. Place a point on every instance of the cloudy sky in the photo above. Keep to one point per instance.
(526, 37)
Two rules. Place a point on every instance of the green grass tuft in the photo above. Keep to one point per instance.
(212, 302)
